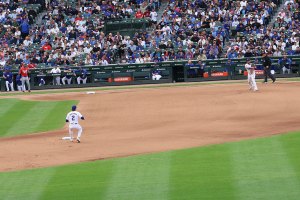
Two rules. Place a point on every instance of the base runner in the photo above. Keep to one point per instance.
(73, 118)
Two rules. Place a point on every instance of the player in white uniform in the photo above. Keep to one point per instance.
(251, 75)
(73, 118)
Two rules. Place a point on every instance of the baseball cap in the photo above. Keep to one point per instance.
(74, 107)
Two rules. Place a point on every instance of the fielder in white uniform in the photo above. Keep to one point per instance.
(73, 118)
(251, 75)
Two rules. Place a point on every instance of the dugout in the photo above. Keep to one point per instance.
(170, 71)
(123, 74)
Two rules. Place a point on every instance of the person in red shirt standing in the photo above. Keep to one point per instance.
(24, 70)
(139, 14)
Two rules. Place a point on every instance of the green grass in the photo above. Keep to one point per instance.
(267, 168)
(19, 117)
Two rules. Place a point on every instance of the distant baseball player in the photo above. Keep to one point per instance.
(251, 75)
(19, 83)
(8, 76)
(82, 76)
(56, 78)
(156, 75)
(73, 118)
(68, 76)
(24, 70)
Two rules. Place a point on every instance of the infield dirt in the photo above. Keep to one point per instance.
(137, 121)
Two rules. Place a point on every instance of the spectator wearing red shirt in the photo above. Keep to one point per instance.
(47, 47)
(147, 13)
(24, 70)
(139, 14)
(78, 18)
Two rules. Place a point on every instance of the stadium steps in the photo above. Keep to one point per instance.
(160, 12)
(276, 13)
(39, 18)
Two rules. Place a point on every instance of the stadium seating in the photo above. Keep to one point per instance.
(110, 30)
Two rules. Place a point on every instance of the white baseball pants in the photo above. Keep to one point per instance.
(156, 77)
(25, 79)
(78, 128)
(56, 80)
(252, 82)
(284, 70)
(63, 80)
(81, 79)
(11, 85)
(20, 88)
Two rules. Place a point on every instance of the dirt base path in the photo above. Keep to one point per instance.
(137, 121)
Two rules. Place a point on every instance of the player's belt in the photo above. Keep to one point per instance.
(74, 123)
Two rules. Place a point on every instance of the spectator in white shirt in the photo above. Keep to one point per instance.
(104, 62)
(139, 60)
(88, 60)
(27, 42)
(56, 79)
(88, 49)
(153, 16)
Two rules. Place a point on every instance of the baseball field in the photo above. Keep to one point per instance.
(196, 141)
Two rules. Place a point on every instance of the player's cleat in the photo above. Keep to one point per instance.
(274, 81)
(78, 141)
(29, 91)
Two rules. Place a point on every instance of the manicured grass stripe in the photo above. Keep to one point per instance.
(291, 143)
(20, 117)
(31, 119)
(262, 170)
(6, 106)
(266, 168)
(56, 117)
(14, 115)
(25, 185)
(142, 177)
(83, 181)
(201, 173)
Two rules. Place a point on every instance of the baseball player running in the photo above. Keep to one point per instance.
(251, 75)
(73, 118)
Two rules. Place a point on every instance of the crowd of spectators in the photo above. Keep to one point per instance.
(277, 39)
(70, 35)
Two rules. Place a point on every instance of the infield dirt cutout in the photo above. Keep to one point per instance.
(137, 121)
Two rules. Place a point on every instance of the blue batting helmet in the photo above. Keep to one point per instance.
(74, 108)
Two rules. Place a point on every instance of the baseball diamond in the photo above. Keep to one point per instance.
(149, 100)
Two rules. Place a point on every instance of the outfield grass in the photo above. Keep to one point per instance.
(267, 168)
(20, 117)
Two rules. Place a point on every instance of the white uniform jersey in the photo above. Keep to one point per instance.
(73, 117)
(248, 67)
